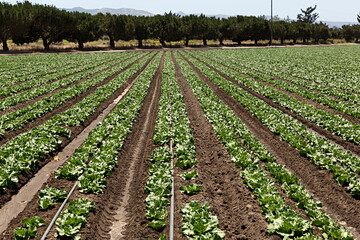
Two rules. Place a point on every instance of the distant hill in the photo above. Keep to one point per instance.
(135, 12)
(338, 24)
(120, 11)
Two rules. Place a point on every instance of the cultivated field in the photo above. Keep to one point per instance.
(181, 144)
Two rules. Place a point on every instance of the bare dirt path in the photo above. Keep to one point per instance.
(237, 209)
(120, 212)
(336, 201)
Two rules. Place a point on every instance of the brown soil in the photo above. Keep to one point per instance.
(75, 131)
(336, 201)
(237, 209)
(28, 126)
(120, 210)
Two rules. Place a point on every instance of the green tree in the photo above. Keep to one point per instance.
(347, 32)
(166, 28)
(320, 31)
(258, 28)
(7, 20)
(141, 31)
(50, 24)
(187, 27)
(83, 29)
(308, 15)
(281, 30)
(116, 27)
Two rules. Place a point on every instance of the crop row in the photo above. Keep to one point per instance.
(35, 110)
(246, 155)
(98, 159)
(9, 90)
(341, 100)
(301, 87)
(332, 122)
(20, 67)
(24, 151)
(335, 67)
(331, 91)
(30, 67)
(10, 101)
(106, 139)
(319, 150)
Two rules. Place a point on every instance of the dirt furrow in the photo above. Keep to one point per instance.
(336, 201)
(237, 209)
(120, 211)
(23, 179)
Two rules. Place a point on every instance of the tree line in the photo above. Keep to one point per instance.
(25, 22)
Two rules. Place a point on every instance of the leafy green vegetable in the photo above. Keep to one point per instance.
(191, 189)
(49, 196)
(198, 223)
(29, 229)
(189, 175)
(73, 219)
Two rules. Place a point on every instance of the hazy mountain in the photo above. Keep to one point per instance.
(338, 24)
(120, 11)
(135, 12)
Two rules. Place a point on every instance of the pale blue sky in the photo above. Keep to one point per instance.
(329, 10)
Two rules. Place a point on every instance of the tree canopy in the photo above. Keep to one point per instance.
(25, 22)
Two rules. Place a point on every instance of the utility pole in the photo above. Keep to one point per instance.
(271, 24)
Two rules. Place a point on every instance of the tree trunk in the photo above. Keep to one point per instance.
(5, 46)
(46, 44)
(112, 42)
(294, 40)
(282, 41)
(204, 42)
(187, 41)
(81, 45)
(221, 40)
(256, 41)
(163, 44)
(239, 42)
(140, 43)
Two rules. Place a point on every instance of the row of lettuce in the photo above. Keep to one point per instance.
(334, 97)
(22, 68)
(21, 116)
(324, 154)
(22, 153)
(173, 132)
(334, 67)
(40, 86)
(93, 162)
(27, 82)
(248, 155)
(332, 122)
